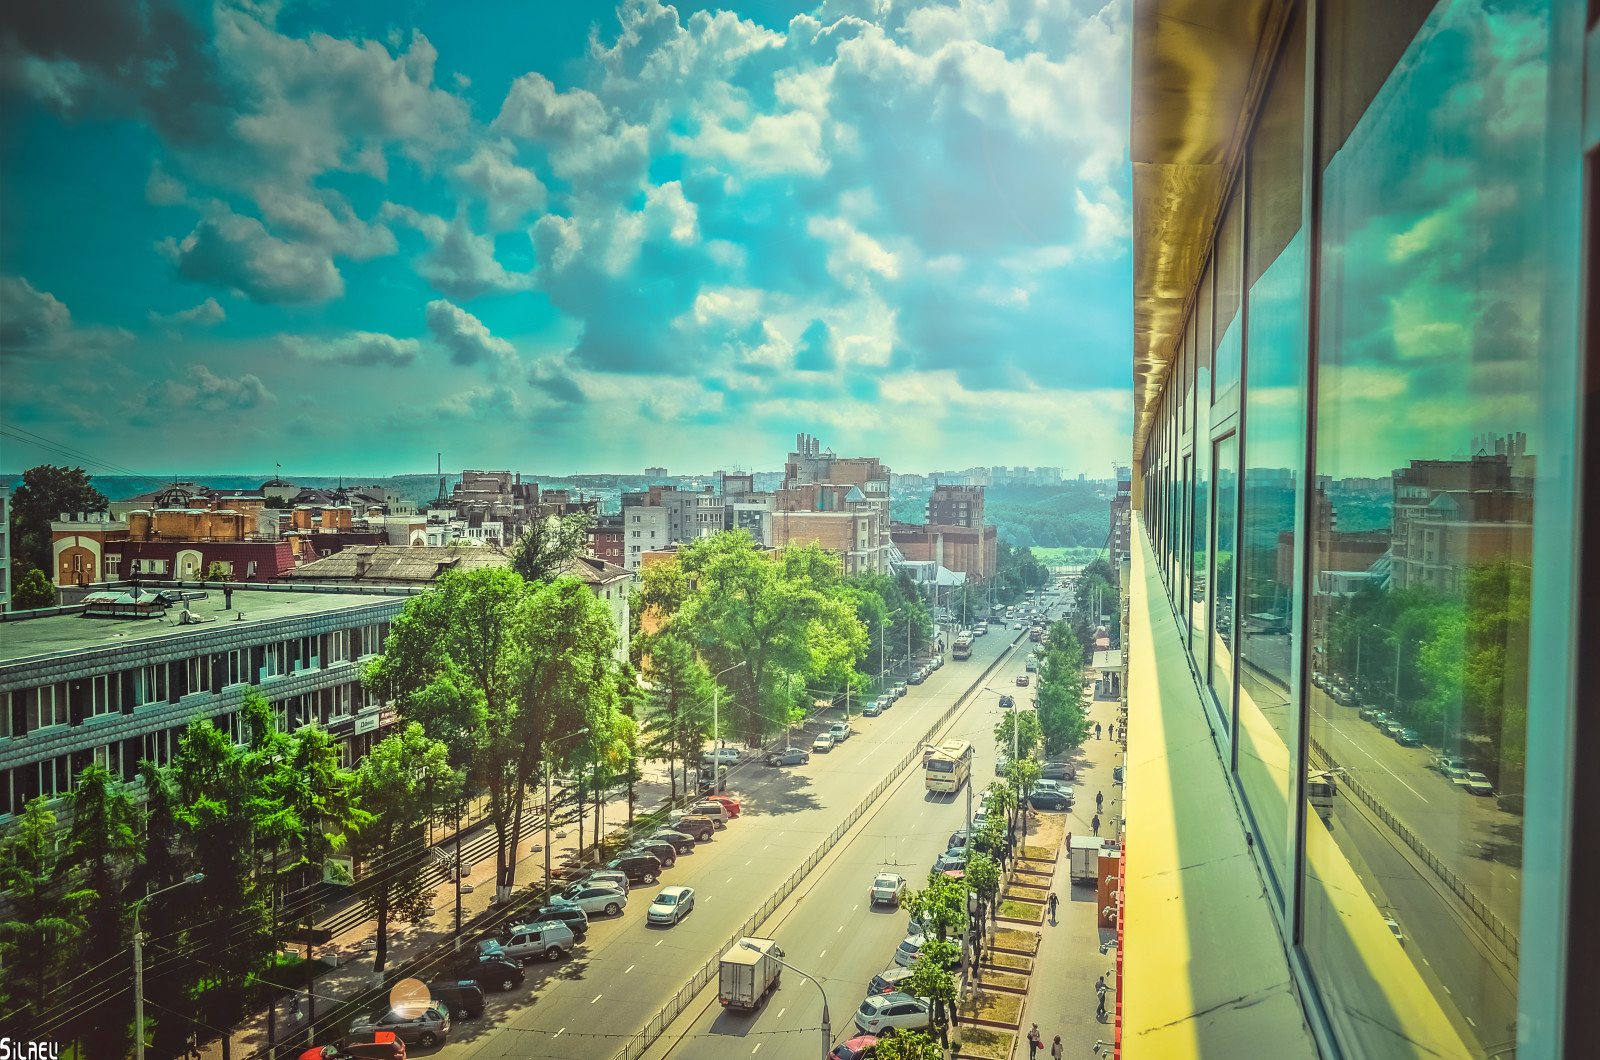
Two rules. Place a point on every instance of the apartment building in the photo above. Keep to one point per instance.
(1335, 206)
(117, 679)
(5, 549)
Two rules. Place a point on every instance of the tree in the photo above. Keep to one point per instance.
(43, 495)
(104, 847)
(218, 572)
(549, 544)
(931, 978)
(278, 501)
(44, 917)
(1063, 721)
(677, 715)
(983, 876)
(942, 905)
(1026, 724)
(1022, 775)
(33, 590)
(402, 783)
(907, 1045)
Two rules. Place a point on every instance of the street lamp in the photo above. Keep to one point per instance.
(138, 963)
(548, 747)
(883, 660)
(827, 1024)
(716, 697)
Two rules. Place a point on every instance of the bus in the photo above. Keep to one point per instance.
(1320, 791)
(962, 648)
(946, 769)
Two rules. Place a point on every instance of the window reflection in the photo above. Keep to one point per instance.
(1226, 477)
(1428, 409)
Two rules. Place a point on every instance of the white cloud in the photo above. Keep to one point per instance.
(204, 315)
(361, 348)
(35, 322)
(205, 391)
(459, 262)
(509, 191)
(163, 189)
(466, 337)
(238, 252)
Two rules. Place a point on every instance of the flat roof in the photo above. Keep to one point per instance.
(23, 638)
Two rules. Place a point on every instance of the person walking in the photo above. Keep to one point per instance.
(1055, 1048)
(1094, 822)
(1052, 907)
(1097, 730)
(1111, 731)
(1099, 801)
(1035, 1041)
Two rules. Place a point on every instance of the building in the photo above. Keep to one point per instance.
(606, 540)
(956, 506)
(841, 503)
(121, 686)
(5, 549)
(644, 526)
(969, 551)
(1122, 515)
(1312, 293)
(655, 472)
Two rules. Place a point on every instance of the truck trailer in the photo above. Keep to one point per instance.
(1084, 852)
(749, 972)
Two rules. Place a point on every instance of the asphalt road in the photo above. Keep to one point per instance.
(831, 931)
(587, 1005)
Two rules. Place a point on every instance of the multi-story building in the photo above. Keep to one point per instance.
(606, 540)
(5, 549)
(644, 527)
(117, 679)
(1121, 515)
(956, 506)
(1337, 209)
(970, 551)
(837, 517)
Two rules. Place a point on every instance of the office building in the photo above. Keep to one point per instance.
(1356, 822)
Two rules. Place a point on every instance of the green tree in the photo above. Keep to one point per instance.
(931, 979)
(983, 876)
(1022, 774)
(33, 590)
(907, 1045)
(549, 545)
(1063, 718)
(1027, 734)
(677, 716)
(218, 572)
(44, 493)
(942, 905)
(402, 784)
(45, 915)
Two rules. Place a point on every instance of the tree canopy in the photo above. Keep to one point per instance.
(44, 493)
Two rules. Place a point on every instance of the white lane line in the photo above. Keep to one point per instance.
(658, 942)
(821, 955)
(781, 1011)
(557, 1034)
(728, 880)
(748, 862)
(767, 847)
(597, 997)
(838, 929)
(757, 1049)
(854, 909)
(628, 969)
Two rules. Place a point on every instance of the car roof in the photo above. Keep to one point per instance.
(676, 889)
(890, 876)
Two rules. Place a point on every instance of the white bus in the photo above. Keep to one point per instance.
(1321, 789)
(949, 767)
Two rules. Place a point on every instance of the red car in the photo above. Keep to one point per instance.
(384, 1046)
(859, 1048)
(728, 801)
(1022, 680)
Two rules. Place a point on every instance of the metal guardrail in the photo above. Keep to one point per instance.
(1479, 908)
(658, 1023)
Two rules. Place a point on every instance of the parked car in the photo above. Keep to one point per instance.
(1457, 775)
(391, 1048)
(663, 851)
(593, 900)
(1000, 763)
(1408, 738)
(1478, 784)
(1022, 680)
(715, 810)
(671, 905)
(861, 1047)
(681, 842)
(462, 998)
(1050, 795)
(789, 756)
(958, 838)
(1444, 763)
(840, 731)
(491, 966)
(823, 742)
(876, 707)
(726, 756)
(1031, 665)
(887, 888)
(697, 825)
(951, 859)
(546, 935)
(639, 868)
(879, 1012)
(1006, 702)
(728, 802)
(426, 1030)
(888, 980)
(915, 678)
(1058, 768)
(899, 689)
(571, 916)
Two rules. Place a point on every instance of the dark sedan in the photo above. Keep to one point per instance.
(681, 842)
(570, 915)
(792, 756)
(493, 970)
(663, 851)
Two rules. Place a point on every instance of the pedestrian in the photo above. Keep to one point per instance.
(1052, 907)
(1094, 822)
(1055, 1048)
(1100, 1012)
(1100, 986)
(1097, 730)
(1112, 729)
(1099, 800)
(1035, 1041)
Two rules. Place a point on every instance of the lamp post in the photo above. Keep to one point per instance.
(548, 747)
(883, 660)
(138, 963)
(827, 1024)
(716, 721)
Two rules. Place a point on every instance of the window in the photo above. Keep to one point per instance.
(198, 673)
(276, 660)
(1225, 465)
(151, 684)
(149, 566)
(111, 567)
(106, 695)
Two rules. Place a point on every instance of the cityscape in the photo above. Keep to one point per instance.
(920, 531)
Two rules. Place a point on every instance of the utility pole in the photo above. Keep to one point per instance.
(138, 963)
(549, 767)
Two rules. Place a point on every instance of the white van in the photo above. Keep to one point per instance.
(714, 810)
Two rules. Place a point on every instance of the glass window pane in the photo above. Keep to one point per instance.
(1428, 430)
(1226, 478)
(1230, 263)
(1274, 446)
(1198, 539)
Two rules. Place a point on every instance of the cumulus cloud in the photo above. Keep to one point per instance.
(360, 348)
(460, 262)
(204, 391)
(35, 322)
(204, 315)
(509, 192)
(466, 337)
(229, 250)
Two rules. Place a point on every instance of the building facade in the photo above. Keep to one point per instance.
(1353, 779)
(5, 549)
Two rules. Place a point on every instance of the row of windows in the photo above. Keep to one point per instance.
(1339, 490)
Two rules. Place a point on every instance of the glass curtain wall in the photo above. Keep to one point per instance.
(1391, 578)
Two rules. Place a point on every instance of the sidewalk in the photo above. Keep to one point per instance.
(1062, 997)
(355, 949)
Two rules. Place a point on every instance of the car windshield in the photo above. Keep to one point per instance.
(666, 899)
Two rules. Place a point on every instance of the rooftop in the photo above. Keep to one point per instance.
(23, 638)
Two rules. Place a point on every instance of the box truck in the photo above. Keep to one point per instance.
(749, 971)
(1084, 853)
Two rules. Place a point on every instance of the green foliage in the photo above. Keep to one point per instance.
(1022, 773)
(33, 590)
(43, 494)
(894, 601)
(216, 572)
(1063, 714)
(278, 501)
(44, 916)
(1027, 732)
(677, 713)
(549, 544)
(404, 781)
(942, 904)
(1072, 514)
(908, 1045)
(931, 979)
(983, 876)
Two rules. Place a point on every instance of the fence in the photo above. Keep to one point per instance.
(1485, 915)
(658, 1023)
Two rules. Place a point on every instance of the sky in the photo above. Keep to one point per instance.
(344, 237)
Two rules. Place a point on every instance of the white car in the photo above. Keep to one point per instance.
(905, 955)
(881, 1011)
(1478, 784)
(723, 756)
(887, 887)
(840, 731)
(671, 905)
(824, 742)
(1394, 929)
(593, 899)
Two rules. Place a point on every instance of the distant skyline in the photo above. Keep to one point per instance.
(590, 237)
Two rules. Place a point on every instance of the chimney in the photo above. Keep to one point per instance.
(363, 564)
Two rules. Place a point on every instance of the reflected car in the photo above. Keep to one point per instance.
(1456, 775)
(574, 917)
(489, 966)
(1478, 784)
(391, 1048)
(671, 905)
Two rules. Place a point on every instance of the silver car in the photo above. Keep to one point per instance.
(671, 905)
(425, 1031)
(593, 899)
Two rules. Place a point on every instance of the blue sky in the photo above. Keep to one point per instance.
(342, 237)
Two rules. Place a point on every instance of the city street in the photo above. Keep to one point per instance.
(587, 1005)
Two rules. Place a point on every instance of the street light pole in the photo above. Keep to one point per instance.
(827, 1023)
(548, 765)
(138, 963)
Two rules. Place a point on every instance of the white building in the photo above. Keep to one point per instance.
(644, 527)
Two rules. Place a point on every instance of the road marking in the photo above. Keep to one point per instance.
(557, 1034)
(781, 1011)
(748, 862)
(728, 880)
(838, 929)
(854, 909)
(630, 968)
(768, 846)
(821, 955)
(597, 997)
(658, 942)
(757, 1049)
